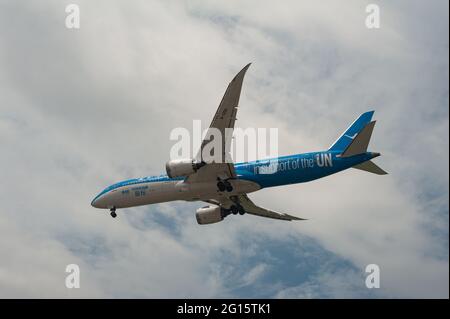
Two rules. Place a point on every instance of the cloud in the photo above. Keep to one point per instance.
(81, 109)
(341, 284)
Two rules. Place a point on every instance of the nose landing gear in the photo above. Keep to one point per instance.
(113, 212)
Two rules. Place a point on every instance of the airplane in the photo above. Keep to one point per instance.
(225, 185)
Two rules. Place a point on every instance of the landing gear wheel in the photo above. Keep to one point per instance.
(229, 188)
(234, 210)
(221, 186)
(113, 212)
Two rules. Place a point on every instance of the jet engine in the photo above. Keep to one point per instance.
(182, 167)
(209, 215)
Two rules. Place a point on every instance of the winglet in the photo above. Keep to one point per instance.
(241, 72)
(293, 217)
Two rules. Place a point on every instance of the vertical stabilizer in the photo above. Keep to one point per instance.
(347, 137)
(360, 142)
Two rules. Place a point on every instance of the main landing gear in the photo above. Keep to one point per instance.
(235, 209)
(113, 212)
(224, 185)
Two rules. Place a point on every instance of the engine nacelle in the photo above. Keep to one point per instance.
(209, 215)
(182, 167)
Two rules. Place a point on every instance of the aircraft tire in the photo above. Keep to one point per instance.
(221, 186)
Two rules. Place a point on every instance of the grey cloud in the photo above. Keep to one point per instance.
(82, 109)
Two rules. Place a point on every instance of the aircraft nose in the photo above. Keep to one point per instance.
(98, 202)
(94, 203)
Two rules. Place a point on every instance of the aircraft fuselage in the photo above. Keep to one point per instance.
(251, 176)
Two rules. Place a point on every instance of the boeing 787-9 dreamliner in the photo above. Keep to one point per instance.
(224, 185)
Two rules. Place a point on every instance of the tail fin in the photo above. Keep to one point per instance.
(347, 137)
(360, 142)
(370, 167)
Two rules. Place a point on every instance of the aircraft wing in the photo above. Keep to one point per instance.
(251, 208)
(224, 118)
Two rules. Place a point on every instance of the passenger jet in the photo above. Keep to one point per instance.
(224, 185)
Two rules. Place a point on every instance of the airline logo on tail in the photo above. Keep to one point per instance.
(351, 137)
(350, 134)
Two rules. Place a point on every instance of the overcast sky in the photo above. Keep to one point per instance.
(81, 109)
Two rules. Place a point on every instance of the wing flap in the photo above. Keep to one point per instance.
(210, 172)
(253, 209)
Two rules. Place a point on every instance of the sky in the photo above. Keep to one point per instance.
(83, 108)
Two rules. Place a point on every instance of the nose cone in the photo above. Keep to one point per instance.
(94, 203)
(99, 201)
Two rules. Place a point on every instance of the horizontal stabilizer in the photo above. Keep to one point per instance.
(370, 167)
(360, 142)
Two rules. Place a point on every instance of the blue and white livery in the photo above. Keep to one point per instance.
(225, 185)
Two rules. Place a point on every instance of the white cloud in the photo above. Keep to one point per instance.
(82, 109)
